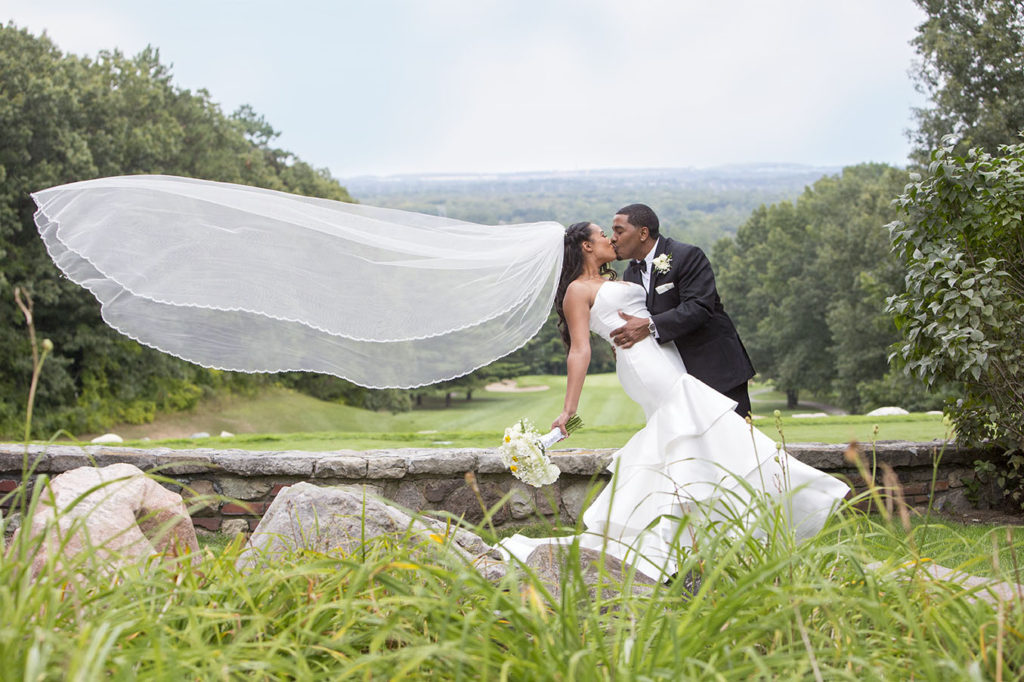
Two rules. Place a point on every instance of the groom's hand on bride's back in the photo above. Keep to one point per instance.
(636, 329)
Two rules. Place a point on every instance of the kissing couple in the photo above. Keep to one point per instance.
(698, 459)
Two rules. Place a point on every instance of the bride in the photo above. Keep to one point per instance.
(696, 458)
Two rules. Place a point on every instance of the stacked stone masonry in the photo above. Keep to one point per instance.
(229, 490)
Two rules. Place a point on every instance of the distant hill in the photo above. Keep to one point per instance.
(698, 205)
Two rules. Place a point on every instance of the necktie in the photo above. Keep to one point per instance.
(641, 265)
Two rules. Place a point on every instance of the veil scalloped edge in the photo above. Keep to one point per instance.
(238, 278)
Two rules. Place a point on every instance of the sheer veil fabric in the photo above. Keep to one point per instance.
(253, 280)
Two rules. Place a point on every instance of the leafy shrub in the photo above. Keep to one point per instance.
(391, 399)
(961, 237)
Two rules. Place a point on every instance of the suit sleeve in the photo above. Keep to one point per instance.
(697, 294)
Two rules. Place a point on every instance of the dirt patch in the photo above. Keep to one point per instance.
(512, 386)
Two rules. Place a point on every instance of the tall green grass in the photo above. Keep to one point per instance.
(767, 608)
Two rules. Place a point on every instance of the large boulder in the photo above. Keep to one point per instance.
(972, 588)
(339, 519)
(118, 511)
(596, 569)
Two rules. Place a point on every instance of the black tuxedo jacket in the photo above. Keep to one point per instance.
(686, 310)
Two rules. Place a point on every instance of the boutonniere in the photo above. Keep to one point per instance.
(662, 263)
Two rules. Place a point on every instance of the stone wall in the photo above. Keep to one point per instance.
(237, 486)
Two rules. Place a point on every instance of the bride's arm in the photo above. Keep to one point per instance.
(576, 307)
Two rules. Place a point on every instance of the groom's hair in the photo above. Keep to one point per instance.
(641, 215)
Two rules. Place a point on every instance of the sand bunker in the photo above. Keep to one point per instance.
(511, 386)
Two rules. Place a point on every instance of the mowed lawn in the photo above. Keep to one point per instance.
(283, 419)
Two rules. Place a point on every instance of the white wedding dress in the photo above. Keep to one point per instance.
(695, 456)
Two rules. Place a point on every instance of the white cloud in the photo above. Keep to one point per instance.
(78, 29)
(449, 85)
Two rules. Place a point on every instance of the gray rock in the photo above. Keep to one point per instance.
(226, 434)
(410, 496)
(441, 462)
(819, 455)
(67, 457)
(550, 561)
(386, 466)
(201, 498)
(337, 519)
(464, 503)
(200, 434)
(12, 522)
(581, 463)
(244, 488)
(266, 463)
(117, 510)
(974, 588)
(547, 500)
(12, 456)
(953, 501)
(437, 489)
(520, 503)
(490, 463)
(177, 462)
(233, 527)
(573, 496)
(342, 466)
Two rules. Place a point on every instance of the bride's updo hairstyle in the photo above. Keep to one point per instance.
(572, 267)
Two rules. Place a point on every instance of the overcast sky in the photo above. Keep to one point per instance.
(440, 86)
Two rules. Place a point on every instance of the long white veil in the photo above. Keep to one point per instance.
(246, 279)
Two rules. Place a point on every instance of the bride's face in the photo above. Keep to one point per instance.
(603, 250)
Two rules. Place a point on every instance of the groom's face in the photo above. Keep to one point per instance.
(629, 241)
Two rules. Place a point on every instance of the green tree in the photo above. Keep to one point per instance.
(806, 283)
(765, 286)
(393, 400)
(64, 118)
(972, 68)
(961, 237)
(854, 267)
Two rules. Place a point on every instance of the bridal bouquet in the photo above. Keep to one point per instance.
(523, 451)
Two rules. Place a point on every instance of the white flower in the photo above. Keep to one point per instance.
(525, 457)
(662, 263)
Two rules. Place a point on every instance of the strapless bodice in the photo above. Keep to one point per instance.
(648, 371)
(612, 297)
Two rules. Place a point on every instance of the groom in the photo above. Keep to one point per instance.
(684, 304)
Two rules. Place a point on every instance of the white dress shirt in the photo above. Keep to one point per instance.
(645, 276)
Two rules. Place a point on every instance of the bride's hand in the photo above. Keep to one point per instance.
(560, 423)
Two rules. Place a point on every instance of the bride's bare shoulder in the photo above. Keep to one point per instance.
(582, 291)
